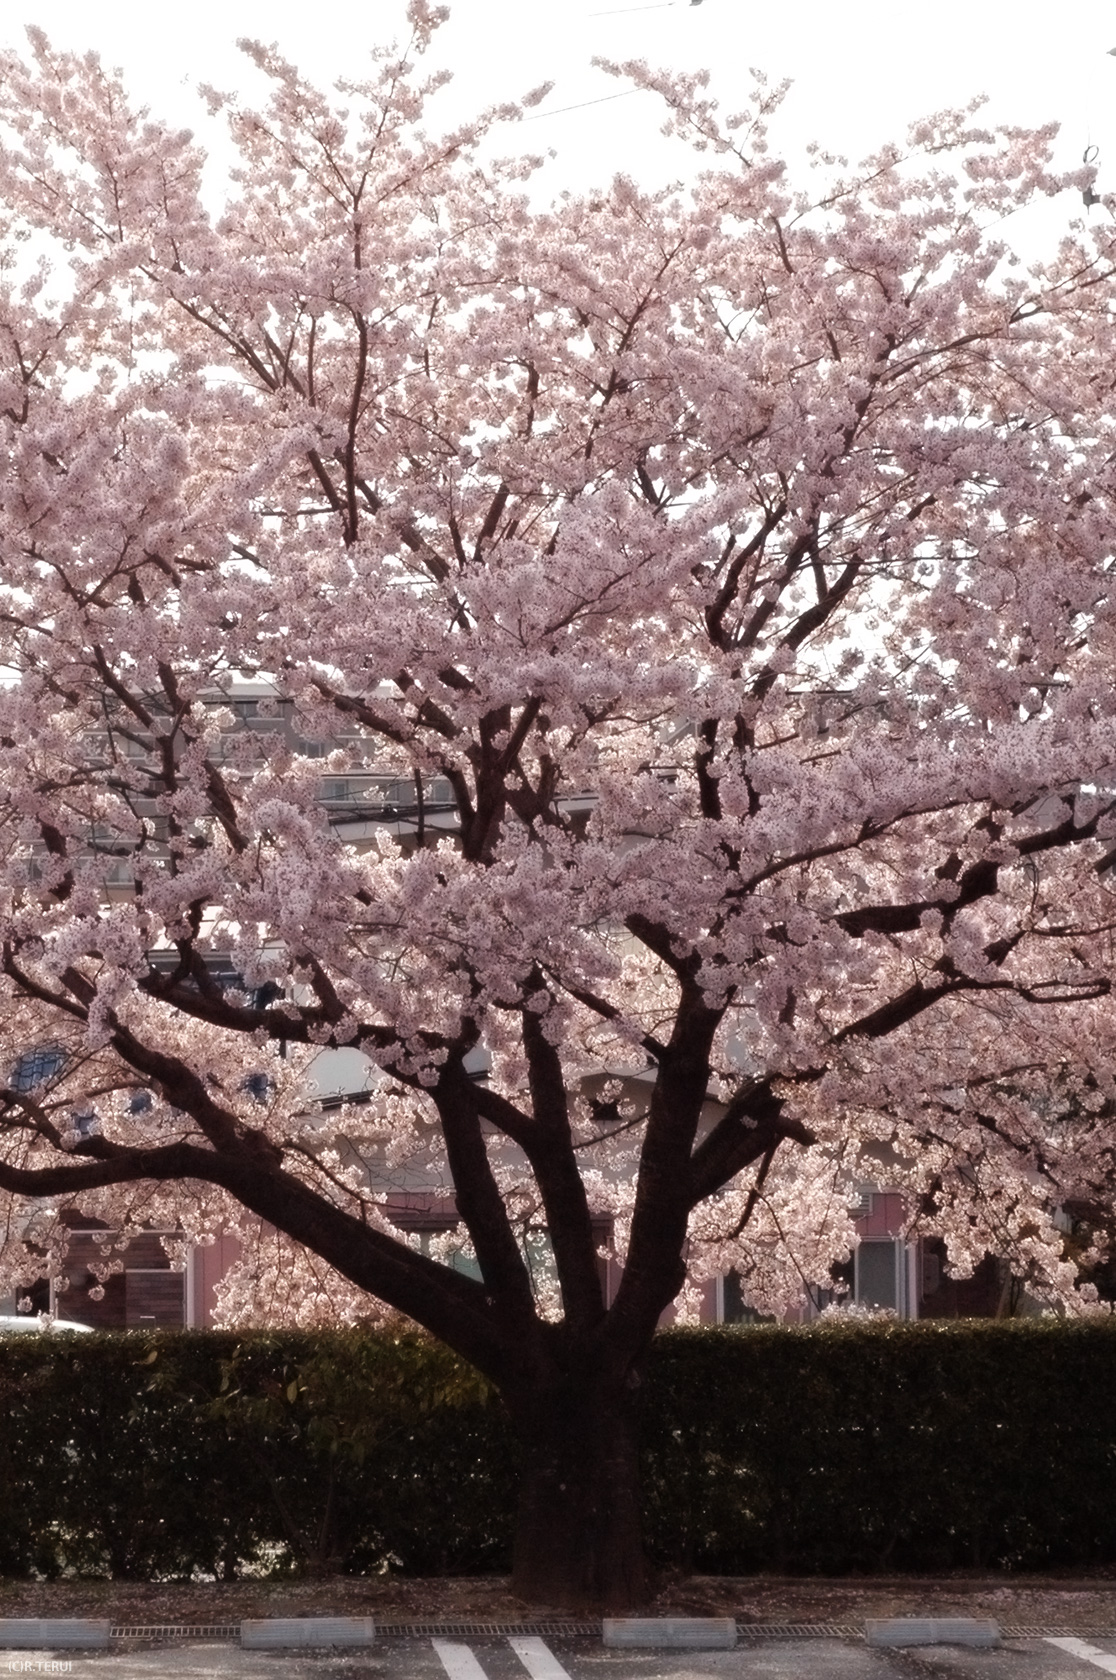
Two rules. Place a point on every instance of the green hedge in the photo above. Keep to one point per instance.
(829, 1449)
(164, 1454)
(836, 1449)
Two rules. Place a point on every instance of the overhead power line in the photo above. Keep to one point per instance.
(658, 6)
(561, 109)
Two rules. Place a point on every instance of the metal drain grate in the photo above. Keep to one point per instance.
(165, 1630)
(488, 1630)
(798, 1630)
(1012, 1632)
(592, 1630)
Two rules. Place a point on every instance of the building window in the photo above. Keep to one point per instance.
(734, 1308)
(881, 1275)
(35, 1067)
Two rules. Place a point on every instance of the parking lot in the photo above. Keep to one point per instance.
(527, 1658)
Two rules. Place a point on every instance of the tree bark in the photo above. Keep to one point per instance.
(579, 1535)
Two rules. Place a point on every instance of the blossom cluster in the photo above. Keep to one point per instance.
(739, 562)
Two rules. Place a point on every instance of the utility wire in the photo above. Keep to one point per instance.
(659, 6)
(561, 109)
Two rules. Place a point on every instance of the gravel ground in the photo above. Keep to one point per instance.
(1015, 1601)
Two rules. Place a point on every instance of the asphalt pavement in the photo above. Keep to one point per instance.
(526, 1658)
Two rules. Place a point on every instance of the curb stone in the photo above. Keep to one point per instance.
(676, 1633)
(898, 1631)
(279, 1632)
(38, 1633)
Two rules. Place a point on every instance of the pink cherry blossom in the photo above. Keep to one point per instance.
(703, 602)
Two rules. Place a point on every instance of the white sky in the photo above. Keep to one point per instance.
(861, 68)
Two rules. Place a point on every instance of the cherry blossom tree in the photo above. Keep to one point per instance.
(722, 580)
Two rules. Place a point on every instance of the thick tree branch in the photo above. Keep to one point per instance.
(554, 1165)
(753, 1124)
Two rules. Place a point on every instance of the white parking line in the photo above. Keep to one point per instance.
(1087, 1653)
(458, 1661)
(538, 1659)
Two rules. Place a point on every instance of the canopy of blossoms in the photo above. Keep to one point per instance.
(706, 599)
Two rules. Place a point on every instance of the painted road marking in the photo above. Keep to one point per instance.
(538, 1659)
(1087, 1653)
(458, 1660)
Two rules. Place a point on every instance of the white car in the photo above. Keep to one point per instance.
(41, 1322)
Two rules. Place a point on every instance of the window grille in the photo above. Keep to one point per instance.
(36, 1066)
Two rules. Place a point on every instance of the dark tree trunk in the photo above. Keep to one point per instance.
(579, 1538)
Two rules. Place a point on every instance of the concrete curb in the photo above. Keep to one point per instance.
(673, 1633)
(46, 1633)
(898, 1631)
(279, 1632)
